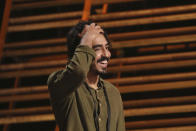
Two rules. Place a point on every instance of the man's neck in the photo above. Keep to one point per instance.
(92, 80)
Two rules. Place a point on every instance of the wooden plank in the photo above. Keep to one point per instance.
(122, 89)
(87, 9)
(12, 103)
(29, 65)
(115, 61)
(152, 33)
(23, 90)
(26, 119)
(26, 97)
(153, 66)
(31, 110)
(125, 14)
(159, 101)
(45, 17)
(154, 41)
(127, 104)
(115, 45)
(116, 69)
(145, 12)
(35, 51)
(108, 24)
(63, 3)
(4, 25)
(44, 25)
(176, 128)
(148, 20)
(153, 58)
(153, 78)
(161, 123)
(50, 117)
(126, 80)
(114, 36)
(26, 73)
(160, 110)
(158, 86)
(36, 42)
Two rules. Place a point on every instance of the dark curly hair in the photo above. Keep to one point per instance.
(73, 40)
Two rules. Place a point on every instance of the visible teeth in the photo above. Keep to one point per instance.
(104, 62)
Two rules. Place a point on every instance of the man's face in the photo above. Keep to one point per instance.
(101, 48)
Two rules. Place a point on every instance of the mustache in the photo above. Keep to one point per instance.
(103, 58)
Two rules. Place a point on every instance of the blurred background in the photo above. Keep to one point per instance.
(153, 59)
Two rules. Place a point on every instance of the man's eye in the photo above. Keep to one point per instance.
(108, 47)
(96, 49)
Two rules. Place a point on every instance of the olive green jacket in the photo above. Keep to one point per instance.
(71, 101)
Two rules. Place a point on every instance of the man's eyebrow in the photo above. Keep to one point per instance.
(98, 45)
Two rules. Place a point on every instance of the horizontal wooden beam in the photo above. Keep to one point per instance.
(152, 33)
(159, 101)
(123, 89)
(145, 12)
(115, 61)
(124, 14)
(153, 78)
(127, 104)
(153, 66)
(31, 110)
(154, 41)
(108, 24)
(28, 65)
(26, 97)
(175, 128)
(115, 45)
(161, 123)
(158, 86)
(114, 69)
(126, 80)
(160, 110)
(114, 37)
(45, 17)
(35, 51)
(23, 90)
(27, 73)
(148, 20)
(35, 43)
(26, 119)
(153, 58)
(45, 4)
(137, 112)
(44, 25)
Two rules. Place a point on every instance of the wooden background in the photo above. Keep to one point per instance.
(153, 59)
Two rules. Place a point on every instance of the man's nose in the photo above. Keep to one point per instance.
(106, 53)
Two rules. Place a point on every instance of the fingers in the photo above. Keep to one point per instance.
(95, 27)
(89, 33)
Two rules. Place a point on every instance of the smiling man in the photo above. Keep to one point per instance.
(80, 98)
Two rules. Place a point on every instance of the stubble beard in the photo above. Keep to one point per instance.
(94, 69)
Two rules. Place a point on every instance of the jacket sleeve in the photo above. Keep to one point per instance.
(63, 83)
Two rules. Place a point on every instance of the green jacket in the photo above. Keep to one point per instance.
(70, 98)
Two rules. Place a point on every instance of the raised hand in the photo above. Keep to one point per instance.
(89, 33)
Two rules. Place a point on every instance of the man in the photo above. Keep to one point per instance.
(81, 100)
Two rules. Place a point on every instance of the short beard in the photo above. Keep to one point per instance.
(102, 72)
(97, 72)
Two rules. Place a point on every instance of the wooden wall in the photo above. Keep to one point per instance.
(153, 60)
